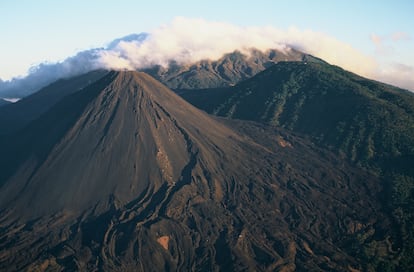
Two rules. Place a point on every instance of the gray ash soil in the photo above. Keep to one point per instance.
(127, 176)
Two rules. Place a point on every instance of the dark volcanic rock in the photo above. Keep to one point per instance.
(367, 122)
(226, 71)
(19, 114)
(125, 176)
(115, 132)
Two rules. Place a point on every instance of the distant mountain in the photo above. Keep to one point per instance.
(17, 115)
(226, 71)
(125, 175)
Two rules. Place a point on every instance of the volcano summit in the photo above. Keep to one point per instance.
(125, 175)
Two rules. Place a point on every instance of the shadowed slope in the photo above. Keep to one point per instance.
(364, 121)
(119, 141)
(127, 176)
(17, 115)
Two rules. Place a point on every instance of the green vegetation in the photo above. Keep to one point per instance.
(367, 122)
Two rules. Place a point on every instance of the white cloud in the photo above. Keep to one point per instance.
(45, 73)
(392, 72)
(397, 74)
(187, 40)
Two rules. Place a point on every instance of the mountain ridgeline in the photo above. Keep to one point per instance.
(304, 167)
(226, 71)
(366, 122)
(125, 175)
(15, 116)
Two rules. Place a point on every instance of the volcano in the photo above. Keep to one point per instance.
(124, 175)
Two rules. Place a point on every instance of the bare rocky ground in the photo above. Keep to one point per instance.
(127, 176)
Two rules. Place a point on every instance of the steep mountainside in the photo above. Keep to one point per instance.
(367, 122)
(227, 71)
(15, 116)
(124, 175)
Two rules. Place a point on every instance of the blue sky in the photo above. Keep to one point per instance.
(44, 30)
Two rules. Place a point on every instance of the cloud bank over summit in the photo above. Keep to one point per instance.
(187, 40)
(190, 40)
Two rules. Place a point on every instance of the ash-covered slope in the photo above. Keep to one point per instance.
(125, 176)
(122, 138)
(370, 123)
(17, 115)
